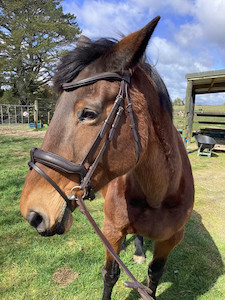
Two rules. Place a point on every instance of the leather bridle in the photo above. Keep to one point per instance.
(63, 165)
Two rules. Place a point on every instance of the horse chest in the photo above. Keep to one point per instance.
(140, 218)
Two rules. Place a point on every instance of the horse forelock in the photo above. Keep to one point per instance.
(84, 54)
(75, 61)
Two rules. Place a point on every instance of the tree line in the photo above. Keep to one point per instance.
(33, 36)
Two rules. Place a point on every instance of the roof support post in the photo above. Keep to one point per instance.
(189, 110)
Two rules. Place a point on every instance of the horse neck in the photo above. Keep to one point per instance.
(158, 170)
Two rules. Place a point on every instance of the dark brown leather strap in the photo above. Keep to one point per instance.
(132, 124)
(116, 109)
(90, 80)
(43, 174)
(106, 125)
(56, 162)
(143, 290)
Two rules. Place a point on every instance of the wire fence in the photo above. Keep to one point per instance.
(16, 114)
(24, 114)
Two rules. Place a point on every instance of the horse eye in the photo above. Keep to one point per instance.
(87, 115)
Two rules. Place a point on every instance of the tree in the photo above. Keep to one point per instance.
(32, 35)
(178, 101)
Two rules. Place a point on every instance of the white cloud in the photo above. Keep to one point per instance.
(174, 62)
(204, 40)
(194, 45)
(211, 17)
(103, 18)
(107, 18)
(214, 99)
(208, 26)
(153, 7)
(189, 36)
(181, 7)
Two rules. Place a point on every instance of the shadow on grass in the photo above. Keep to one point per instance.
(192, 268)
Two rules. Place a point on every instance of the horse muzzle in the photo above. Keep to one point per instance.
(41, 222)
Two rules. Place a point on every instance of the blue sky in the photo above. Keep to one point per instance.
(190, 36)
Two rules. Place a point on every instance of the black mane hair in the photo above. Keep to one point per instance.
(75, 61)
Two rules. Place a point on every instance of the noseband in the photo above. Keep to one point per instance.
(65, 166)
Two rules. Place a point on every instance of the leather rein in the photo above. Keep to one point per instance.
(63, 165)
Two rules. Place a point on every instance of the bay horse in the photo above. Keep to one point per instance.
(128, 146)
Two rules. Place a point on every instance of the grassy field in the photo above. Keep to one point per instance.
(179, 119)
(69, 266)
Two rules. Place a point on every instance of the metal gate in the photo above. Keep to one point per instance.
(16, 114)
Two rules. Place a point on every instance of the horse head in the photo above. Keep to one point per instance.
(86, 100)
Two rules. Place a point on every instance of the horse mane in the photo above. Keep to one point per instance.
(75, 61)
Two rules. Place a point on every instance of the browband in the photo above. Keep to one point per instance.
(56, 162)
(90, 80)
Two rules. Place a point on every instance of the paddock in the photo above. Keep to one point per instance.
(37, 268)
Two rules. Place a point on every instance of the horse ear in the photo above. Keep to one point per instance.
(127, 52)
(83, 41)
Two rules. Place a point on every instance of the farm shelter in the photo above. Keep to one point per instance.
(200, 83)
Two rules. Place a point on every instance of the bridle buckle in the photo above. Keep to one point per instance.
(71, 196)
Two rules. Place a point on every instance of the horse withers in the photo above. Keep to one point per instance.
(112, 130)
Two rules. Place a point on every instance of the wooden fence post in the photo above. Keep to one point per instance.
(48, 117)
(2, 119)
(8, 111)
(36, 113)
(15, 112)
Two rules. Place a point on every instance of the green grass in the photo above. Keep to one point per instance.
(206, 108)
(28, 262)
(179, 119)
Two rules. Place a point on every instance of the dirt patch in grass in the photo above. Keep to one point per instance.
(64, 275)
(21, 131)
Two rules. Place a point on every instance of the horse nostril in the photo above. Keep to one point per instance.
(34, 219)
(38, 221)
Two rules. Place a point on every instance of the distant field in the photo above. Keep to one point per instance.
(216, 108)
(179, 116)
